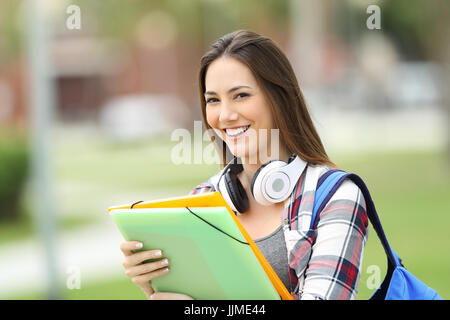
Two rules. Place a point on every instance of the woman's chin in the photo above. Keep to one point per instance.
(246, 156)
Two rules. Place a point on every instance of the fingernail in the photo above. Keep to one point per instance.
(158, 253)
(139, 245)
(165, 262)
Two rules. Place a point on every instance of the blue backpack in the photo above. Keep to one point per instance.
(399, 283)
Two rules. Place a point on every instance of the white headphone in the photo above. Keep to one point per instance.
(272, 183)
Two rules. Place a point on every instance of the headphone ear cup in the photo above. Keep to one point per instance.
(236, 192)
(259, 181)
(256, 175)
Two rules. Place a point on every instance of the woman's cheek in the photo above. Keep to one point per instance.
(211, 119)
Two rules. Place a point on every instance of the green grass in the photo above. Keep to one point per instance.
(11, 231)
(130, 166)
(411, 192)
(119, 288)
(103, 169)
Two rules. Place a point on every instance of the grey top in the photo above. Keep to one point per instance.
(273, 247)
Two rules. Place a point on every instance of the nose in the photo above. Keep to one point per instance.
(227, 113)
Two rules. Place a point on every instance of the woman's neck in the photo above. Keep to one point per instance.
(250, 169)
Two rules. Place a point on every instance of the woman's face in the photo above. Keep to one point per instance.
(238, 111)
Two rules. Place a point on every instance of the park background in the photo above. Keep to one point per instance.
(86, 116)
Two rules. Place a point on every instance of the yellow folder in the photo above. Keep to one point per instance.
(214, 199)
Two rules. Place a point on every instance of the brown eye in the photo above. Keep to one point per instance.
(211, 100)
(241, 95)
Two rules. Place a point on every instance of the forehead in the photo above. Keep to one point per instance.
(226, 72)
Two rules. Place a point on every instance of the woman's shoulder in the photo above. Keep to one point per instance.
(347, 196)
(347, 190)
(350, 192)
(346, 204)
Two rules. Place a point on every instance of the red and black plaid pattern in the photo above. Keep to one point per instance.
(325, 261)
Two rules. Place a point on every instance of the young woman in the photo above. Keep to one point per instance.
(248, 90)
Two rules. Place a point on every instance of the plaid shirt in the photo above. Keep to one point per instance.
(324, 262)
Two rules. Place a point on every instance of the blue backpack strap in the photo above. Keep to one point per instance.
(327, 186)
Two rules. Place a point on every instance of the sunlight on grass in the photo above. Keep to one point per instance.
(118, 288)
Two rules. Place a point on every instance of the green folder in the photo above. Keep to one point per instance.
(209, 257)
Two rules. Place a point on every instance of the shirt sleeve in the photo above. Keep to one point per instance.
(202, 188)
(335, 264)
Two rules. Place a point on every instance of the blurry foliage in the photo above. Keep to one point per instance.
(14, 168)
(195, 19)
(10, 30)
(419, 28)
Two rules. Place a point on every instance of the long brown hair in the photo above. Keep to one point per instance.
(275, 75)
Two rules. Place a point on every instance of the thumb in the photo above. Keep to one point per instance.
(148, 290)
(169, 296)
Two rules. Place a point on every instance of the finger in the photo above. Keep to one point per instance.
(136, 258)
(169, 296)
(146, 268)
(145, 278)
(148, 290)
(128, 246)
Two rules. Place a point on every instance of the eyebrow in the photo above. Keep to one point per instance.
(229, 91)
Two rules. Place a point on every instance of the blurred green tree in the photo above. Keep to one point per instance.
(13, 175)
(418, 28)
(422, 30)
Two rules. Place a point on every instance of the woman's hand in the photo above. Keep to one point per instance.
(142, 273)
(169, 296)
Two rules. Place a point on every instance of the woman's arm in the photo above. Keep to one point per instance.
(336, 260)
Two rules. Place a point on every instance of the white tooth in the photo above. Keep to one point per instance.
(233, 132)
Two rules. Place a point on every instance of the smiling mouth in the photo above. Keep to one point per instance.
(236, 132)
